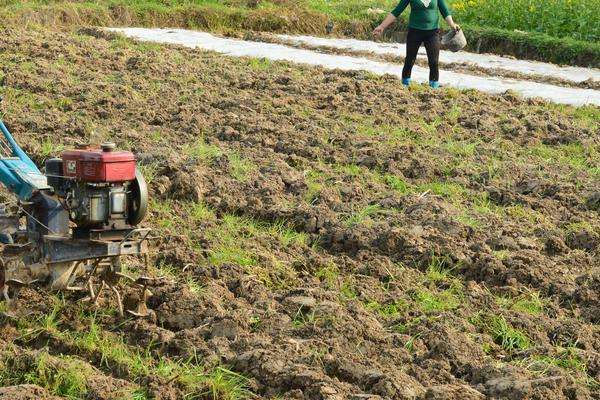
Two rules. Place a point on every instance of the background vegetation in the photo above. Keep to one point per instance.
(561, 31)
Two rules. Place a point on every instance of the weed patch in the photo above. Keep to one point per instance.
(505, 335)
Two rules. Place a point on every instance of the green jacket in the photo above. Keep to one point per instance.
(423, 13)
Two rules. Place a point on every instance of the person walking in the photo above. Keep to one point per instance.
(423, 28)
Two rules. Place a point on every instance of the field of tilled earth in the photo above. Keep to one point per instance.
(324, 234)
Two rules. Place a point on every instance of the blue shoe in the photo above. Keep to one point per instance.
(434, 84)
(406, 81)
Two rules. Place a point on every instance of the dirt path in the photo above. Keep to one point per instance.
(240, 48)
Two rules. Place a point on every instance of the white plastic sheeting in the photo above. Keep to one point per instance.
(277, 52)
(573, 74)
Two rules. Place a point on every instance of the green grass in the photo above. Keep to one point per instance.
(112, 349)
(233, 239)
(226, 254)
(67, 376)
(240, 167)
(438, 270)
(348, 290)
(576, 156)
(448, 190)
(314, 185)
(505, 335)
(410, 343)
(361, 216)
(224, 384)
(200, 212)
(530, 303)
(260, 64)
(568, 359)
(202, 151)
(303, 318)
(51, 149)
(433, 301)
(62, 376)
(577, 19)
(397, 183)
(389, 310)
(287, 235)
(576, 227)
(149, 171)
(328, 274)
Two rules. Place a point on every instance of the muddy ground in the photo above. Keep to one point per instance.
(328, 235)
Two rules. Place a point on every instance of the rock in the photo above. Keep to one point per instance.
(364, 396)
(508, 387)
(453, 392)
(385, 388)
(593, 202)
(528, 186)
(367, 161)
(328, 391)
(303, 303)
(555, 245)
(417, 230)
(527, 243)
(391, 202)
(187, 186)
(226, 328)
(583, 240)
(504, 243)
(311, 225)
(161, 185)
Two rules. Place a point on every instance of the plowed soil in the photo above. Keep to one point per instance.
(327, 235)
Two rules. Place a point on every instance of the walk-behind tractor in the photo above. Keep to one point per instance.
(69, 227)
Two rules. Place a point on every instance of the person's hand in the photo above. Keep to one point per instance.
(456, 27)
(377, 32)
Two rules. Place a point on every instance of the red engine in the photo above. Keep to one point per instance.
(99, 165)
(100, 188)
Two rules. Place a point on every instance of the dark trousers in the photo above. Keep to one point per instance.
(431, 40)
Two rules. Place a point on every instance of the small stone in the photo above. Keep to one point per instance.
(417, 230)
(384, 388)
(508, 387)
(311, 224)
(364, 396)
(226, 328)
(453, 392)
(301, 302)
(593, 202)
(504, 243)
(527, 243)
(328, 391)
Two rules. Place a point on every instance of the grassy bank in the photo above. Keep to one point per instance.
(541, 35)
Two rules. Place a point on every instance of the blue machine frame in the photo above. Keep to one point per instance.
(17, 172)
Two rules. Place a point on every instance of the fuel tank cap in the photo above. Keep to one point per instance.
(108, 146)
